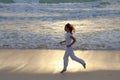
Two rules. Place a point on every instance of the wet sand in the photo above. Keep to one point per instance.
(20, 64)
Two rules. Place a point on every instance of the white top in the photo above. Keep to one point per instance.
(67, 38)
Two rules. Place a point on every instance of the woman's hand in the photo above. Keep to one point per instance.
(62, 42)
(68, 46)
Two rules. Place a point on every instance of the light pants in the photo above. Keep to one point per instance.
(69, 52)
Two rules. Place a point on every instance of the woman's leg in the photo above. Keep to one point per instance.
(73, 57)
(65, 58)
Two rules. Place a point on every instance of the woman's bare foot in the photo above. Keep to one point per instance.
(63, 71)
(84, 65)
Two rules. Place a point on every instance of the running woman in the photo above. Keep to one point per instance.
(69, 41)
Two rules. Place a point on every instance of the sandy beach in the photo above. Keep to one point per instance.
(34, 64)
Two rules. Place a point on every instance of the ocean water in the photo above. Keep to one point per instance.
(44, 1)
(25, 24)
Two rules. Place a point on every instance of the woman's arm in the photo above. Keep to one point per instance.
(62, 42)
(74, 40)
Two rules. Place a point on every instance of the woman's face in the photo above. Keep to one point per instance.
(66, 29)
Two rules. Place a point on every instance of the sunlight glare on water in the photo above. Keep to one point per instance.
(41, 26)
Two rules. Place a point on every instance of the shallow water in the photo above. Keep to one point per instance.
(24, 25)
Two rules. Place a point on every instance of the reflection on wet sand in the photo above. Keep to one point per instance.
(47, 61)
(46, 65)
